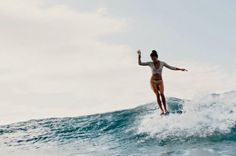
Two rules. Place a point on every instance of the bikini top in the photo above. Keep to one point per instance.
(159, 70)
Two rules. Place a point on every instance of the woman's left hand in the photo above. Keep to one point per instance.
(182, 69)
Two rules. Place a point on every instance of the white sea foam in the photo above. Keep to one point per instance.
(202, 117)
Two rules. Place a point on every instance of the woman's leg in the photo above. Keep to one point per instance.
(159, 102)
(155, 88)
(161, 86)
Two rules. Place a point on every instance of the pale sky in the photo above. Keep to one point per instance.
(76, 57)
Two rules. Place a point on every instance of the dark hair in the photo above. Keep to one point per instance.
(154, 53)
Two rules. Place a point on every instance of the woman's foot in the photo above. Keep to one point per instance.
(162, 112)
(167, 113)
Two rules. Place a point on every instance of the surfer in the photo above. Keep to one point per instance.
(156, 79)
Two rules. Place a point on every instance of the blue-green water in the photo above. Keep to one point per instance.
(206, 127)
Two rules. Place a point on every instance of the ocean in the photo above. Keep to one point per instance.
(207, 127)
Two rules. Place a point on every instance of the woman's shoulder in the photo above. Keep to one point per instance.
(162, 62)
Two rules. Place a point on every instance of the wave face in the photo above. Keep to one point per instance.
(207, 126)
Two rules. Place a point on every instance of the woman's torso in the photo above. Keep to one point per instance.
(157, 68)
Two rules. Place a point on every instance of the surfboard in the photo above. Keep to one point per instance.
(173, 112)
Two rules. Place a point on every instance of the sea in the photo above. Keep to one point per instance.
(206, 127)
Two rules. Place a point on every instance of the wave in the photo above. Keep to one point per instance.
(208, 118)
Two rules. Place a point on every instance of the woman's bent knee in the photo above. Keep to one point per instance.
(157, 94)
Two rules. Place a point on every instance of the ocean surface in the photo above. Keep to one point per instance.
(207, 127)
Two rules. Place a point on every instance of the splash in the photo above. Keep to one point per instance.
(204, 116)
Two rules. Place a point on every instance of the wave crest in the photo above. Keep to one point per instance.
(205, 117)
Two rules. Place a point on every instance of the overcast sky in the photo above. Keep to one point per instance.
(76, 57)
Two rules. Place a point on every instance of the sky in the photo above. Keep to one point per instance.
(77, 57)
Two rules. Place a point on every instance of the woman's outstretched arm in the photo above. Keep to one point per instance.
(139, 60)
(174, 68)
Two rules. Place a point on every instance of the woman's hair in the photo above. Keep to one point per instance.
(154, 54)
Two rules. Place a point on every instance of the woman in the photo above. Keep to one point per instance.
(156, 79)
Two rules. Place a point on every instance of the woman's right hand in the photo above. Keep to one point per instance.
(139, 52)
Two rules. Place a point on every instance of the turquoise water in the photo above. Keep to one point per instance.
(207, 126)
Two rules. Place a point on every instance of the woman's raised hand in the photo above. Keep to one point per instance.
(139, 52)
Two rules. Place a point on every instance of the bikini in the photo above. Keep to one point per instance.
(156, 72)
